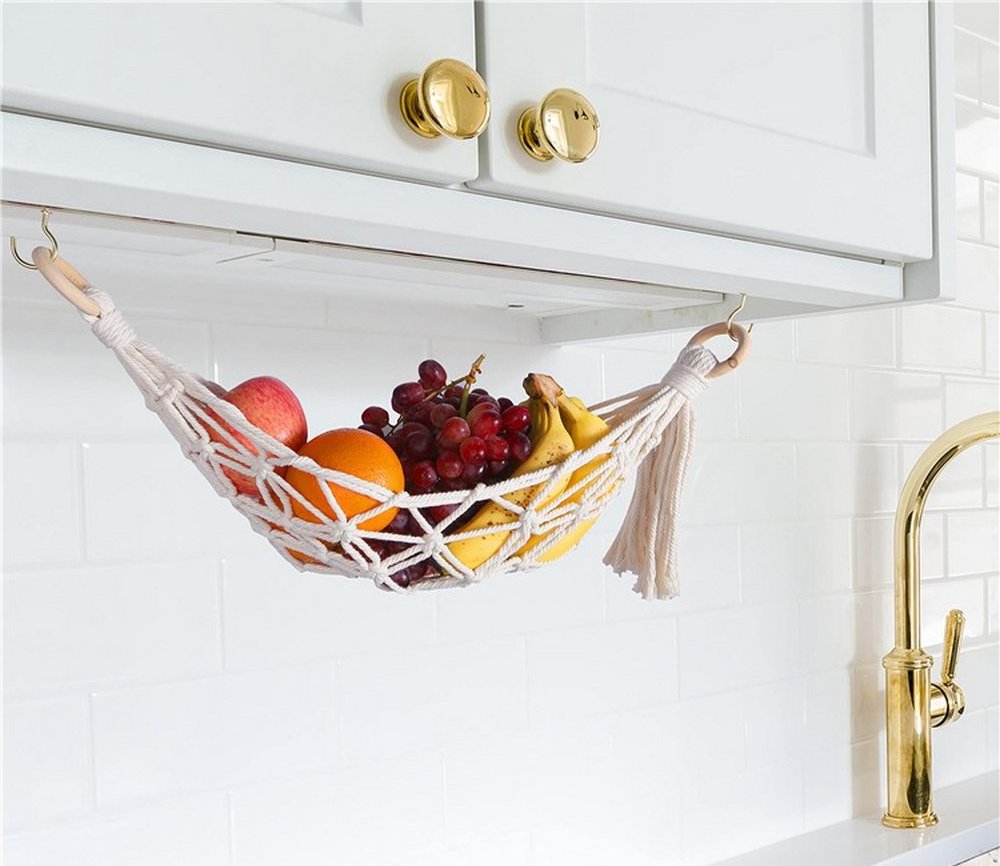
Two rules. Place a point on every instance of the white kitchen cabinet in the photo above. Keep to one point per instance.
(313, 81)
(801, 123)
(801, 153)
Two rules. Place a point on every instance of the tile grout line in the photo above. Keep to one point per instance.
(92, 748)
(220, 584)
(81, 481)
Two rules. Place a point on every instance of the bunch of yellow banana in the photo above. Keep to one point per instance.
(585, 428)
(560, 425)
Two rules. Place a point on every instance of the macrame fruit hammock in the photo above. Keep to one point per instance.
(535, 516)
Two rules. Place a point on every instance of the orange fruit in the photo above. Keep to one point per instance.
(355, 452)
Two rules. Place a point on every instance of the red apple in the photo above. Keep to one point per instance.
(270, 405)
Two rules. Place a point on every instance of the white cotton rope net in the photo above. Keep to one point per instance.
(651, 433)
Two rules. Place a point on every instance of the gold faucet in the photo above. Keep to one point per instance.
(913, 704)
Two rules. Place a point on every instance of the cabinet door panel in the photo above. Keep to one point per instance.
(804, 123)
(309, 81)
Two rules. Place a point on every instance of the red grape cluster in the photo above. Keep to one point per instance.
(448, 436)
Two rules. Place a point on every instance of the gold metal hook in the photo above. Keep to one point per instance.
(732, 317)
(53, 248)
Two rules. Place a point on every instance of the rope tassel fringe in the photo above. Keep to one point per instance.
(646, 545)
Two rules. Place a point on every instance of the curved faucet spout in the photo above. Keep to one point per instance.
(912, 702)
(911, 509)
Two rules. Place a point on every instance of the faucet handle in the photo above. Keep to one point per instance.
(947, 701)
(954, 626)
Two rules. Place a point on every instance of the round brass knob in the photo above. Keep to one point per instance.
(563, 125)
(449, 99)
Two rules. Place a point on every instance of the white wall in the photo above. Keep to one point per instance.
(176, 694)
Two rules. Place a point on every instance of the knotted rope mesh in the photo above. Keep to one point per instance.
(651, 430)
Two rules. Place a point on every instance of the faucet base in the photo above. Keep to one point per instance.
(911, 822)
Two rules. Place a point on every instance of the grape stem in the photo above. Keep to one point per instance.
(474, 371)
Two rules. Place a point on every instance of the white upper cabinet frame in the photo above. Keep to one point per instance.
(796, 122)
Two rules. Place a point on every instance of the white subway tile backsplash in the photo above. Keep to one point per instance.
(993, 605)
(712, 735)
(91, 625)
(895, 405)
(967, 65)
(977, 672)
(727, 481)
(819, 412)
(993, 739)
(763, 804)
(601, 669)
(781, 561)
(774, 716)
(868, 699)
(567, 592)
(976, 134)
(708, 561)
(842, 783)
(968, 207)
(628, 369)
(274, 614)
(644, 819)
(991, 346)
(981, 18)
(760, 644)
(973, 542)
(716, 410)
(959, 485)
(193, 832)
(603, 842)
(960, 750)
(41, 525)
(84, 388)
(965, 398)
(546, 776)
(991, 204)
(829, 718)
(46, 760)
(940, 338)
(649, 741)
(838, 480)
(829, 632)
(158, 741)
(968, 595)
(147, 500)
(862, 338)
(400, 701)
(873, 542)
(873, 625)
(506, 849)
(977, 275)
(358, 815)
(774, 339)
(311, 362)
(989, 67)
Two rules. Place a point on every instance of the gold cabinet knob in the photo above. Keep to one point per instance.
(563, 125)
(449, 99)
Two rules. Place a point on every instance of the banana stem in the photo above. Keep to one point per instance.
(543, 387)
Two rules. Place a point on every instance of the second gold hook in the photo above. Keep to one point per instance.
(53, 248)
(732, 317)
